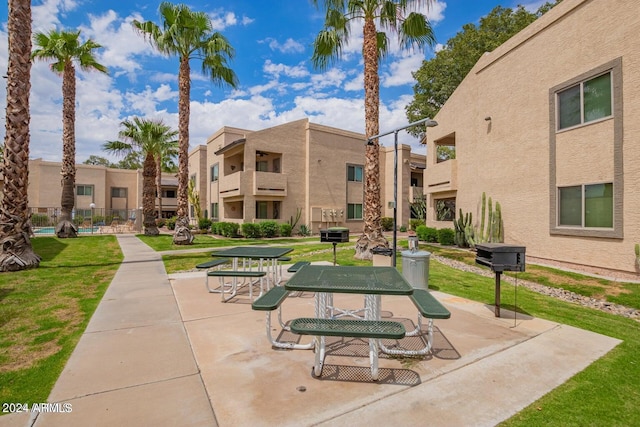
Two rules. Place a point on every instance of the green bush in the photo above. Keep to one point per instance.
(251, 230)
(414, 223)
(387, 223)
(229, 229)
(160, 222)
(285, 229)
(403, 229)
(269, 228)
(204, 223)
(445, 236)
(421, 232)
(304, 230)
(431, 235)
(171, 222)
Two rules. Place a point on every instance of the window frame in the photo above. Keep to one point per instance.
(120, 190)
(354, 217)
(580, 84)
(84, 187)
(215, 172)
(583, 206)
(355, 175)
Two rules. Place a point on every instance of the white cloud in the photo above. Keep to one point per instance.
(221, 20)
(289, 46)
(45, 15)
(276, 70)
(399, 72)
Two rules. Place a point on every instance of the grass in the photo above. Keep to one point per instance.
(44, 311)
(164, 242)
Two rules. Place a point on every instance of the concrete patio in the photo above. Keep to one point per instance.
(162, 351)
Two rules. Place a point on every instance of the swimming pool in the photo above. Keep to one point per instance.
(52, 230)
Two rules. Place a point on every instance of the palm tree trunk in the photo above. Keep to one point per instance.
(159, 184)
(148, 196)
(182, 234)
(372, 234)
(16, 252)
(66, 227)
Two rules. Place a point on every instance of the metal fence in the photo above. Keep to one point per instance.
(44, 220)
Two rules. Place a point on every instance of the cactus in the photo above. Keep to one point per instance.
(464, 233)
(484, 206)
(637, 249)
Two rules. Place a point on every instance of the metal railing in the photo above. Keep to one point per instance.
(44, 219)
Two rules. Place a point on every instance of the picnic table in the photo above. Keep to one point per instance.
(372, 282)
(243, 258)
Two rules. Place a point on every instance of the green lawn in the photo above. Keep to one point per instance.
(44, 311)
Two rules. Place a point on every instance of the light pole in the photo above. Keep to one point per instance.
(428, 123)
(92, 206)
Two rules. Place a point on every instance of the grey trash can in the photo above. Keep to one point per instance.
(382, 257)
(415, 268)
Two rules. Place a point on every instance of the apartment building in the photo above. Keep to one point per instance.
(298, 168)
(113, 192)
(547, 125)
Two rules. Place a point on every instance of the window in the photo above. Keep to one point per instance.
(119, 192)
(276, 165)
(214, 173)
(445, 209)
(586, 206)
(84, 190)
(214, 211)
(261, 210)
(169, 194)
(585, 102)
(262, 166)
(354, 173)
(354, 211)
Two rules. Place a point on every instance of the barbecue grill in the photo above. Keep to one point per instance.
(500, 257)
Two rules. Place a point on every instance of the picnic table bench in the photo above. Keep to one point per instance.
(209, 265)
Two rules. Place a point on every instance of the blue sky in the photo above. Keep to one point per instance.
(277, 82)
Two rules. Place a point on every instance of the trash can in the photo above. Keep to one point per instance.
(415, 268)
(382, 257)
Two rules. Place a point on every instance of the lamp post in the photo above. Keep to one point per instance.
(92, 206)
(428, 123)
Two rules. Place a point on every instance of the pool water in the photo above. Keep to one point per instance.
(52, 230)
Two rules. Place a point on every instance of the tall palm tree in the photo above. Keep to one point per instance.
(413, 29)
(188, 35)
(64, 48)
(150, 138)
(16, 252)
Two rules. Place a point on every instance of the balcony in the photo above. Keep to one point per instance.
(269, 184)
(231, 185)
(442, 177)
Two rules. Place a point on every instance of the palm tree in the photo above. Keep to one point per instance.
(16, 252)
(64, 48)
(413, 29)
(149, 138)
(188, 35)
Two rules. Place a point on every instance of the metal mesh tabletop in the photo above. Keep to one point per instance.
(356, 280)
(254, 252)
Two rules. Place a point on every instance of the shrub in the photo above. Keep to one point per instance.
(421, 231)
(403, 229)
(431, 235)
(160, 222)
(251, 230)
(285, 229)
(171, 222)
(204, 223)
(304, 230)
(269, 228)
(387, 223)
(445, 236)
(414, 223)
(229, 229)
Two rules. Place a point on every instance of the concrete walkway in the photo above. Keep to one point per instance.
(162, 351)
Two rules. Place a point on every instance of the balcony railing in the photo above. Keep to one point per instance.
(269, 184)
(442, 177)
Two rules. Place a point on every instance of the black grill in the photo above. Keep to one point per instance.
(500, 257)
(335, 235)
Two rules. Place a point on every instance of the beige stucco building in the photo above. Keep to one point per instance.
(298, 168)
(547, 125)
(114, 192)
